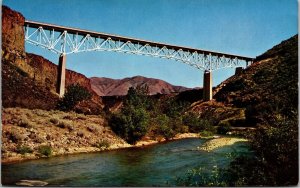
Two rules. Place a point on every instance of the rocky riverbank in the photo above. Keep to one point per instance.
(32, 134)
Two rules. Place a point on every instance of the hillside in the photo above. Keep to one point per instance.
(268, 86)
(117, 87)
(263, 90)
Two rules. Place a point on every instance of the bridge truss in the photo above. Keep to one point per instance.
(66, 40)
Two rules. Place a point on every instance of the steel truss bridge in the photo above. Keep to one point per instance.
(67, 40)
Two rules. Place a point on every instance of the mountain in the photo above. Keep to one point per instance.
(116, 87)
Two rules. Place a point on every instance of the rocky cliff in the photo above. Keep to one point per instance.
(118, 87)
(28, 70)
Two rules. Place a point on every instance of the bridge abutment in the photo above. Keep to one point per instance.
(61, 75)
(207, 86)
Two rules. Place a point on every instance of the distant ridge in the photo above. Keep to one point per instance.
(116, 87)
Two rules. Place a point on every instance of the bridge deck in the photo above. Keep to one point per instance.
(72, 30)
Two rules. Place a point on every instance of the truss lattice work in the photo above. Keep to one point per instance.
(65, 40)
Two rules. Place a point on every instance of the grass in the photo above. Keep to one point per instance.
(45, 150)
(102, 144)
(23, 149)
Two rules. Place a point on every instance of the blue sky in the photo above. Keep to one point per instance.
(244, 27)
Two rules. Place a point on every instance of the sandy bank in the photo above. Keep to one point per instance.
(215, 143)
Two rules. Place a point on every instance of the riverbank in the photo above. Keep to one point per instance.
(14, 158)
(219, 142)
(26, 131)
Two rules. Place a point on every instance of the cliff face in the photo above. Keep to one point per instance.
(30, 74)
(45, 72)
(12, 34)
(118, 87)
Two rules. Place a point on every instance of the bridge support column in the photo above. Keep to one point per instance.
(238, 70)
(207, 86)
(61, 75)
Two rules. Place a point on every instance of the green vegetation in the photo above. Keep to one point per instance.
(269, 92)
(75, 94)
(224, 127)
(276, 160)
(45, 150)
(199, 177)
(142, 115)
(102, 144)
(131, 123)
(23, 149)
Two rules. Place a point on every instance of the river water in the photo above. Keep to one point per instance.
(154, 165)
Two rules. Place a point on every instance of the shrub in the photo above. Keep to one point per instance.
(92, 128)
(224, 127)
(163, 126)
(80, 133)
(24, 149)
(54, 121)
(45, 150)
(206, 133)
(64, 124)
(25, 123)
(196, 124)
(17, 137)
(75, 94)
(102, 144)
(199, 177)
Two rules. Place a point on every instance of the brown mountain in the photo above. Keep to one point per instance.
(116, 87)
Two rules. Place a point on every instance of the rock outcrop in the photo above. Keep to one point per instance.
(12, 34)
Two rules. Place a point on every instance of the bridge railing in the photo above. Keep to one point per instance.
(66, 40)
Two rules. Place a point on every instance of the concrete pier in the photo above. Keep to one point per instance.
(61, 75)
(207, 86)
(238, 70)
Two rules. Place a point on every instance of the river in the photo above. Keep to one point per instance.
(147, 166)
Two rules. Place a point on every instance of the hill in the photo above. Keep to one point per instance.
(266, 88)
(117, 87)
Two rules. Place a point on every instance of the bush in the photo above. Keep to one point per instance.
(45, 150)
(17, 137)
(206, 133)
(23, 149)
(200, 177)
(54, 121)
(224, 127)
(196, 124)
(92, 128)
(75, 94)
(24, 123)
(102, 144)
(163, 126)
(81, 134)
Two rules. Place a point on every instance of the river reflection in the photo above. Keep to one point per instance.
(148, 166)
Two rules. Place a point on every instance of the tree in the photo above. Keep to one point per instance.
(131, 123)
(75, 94)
